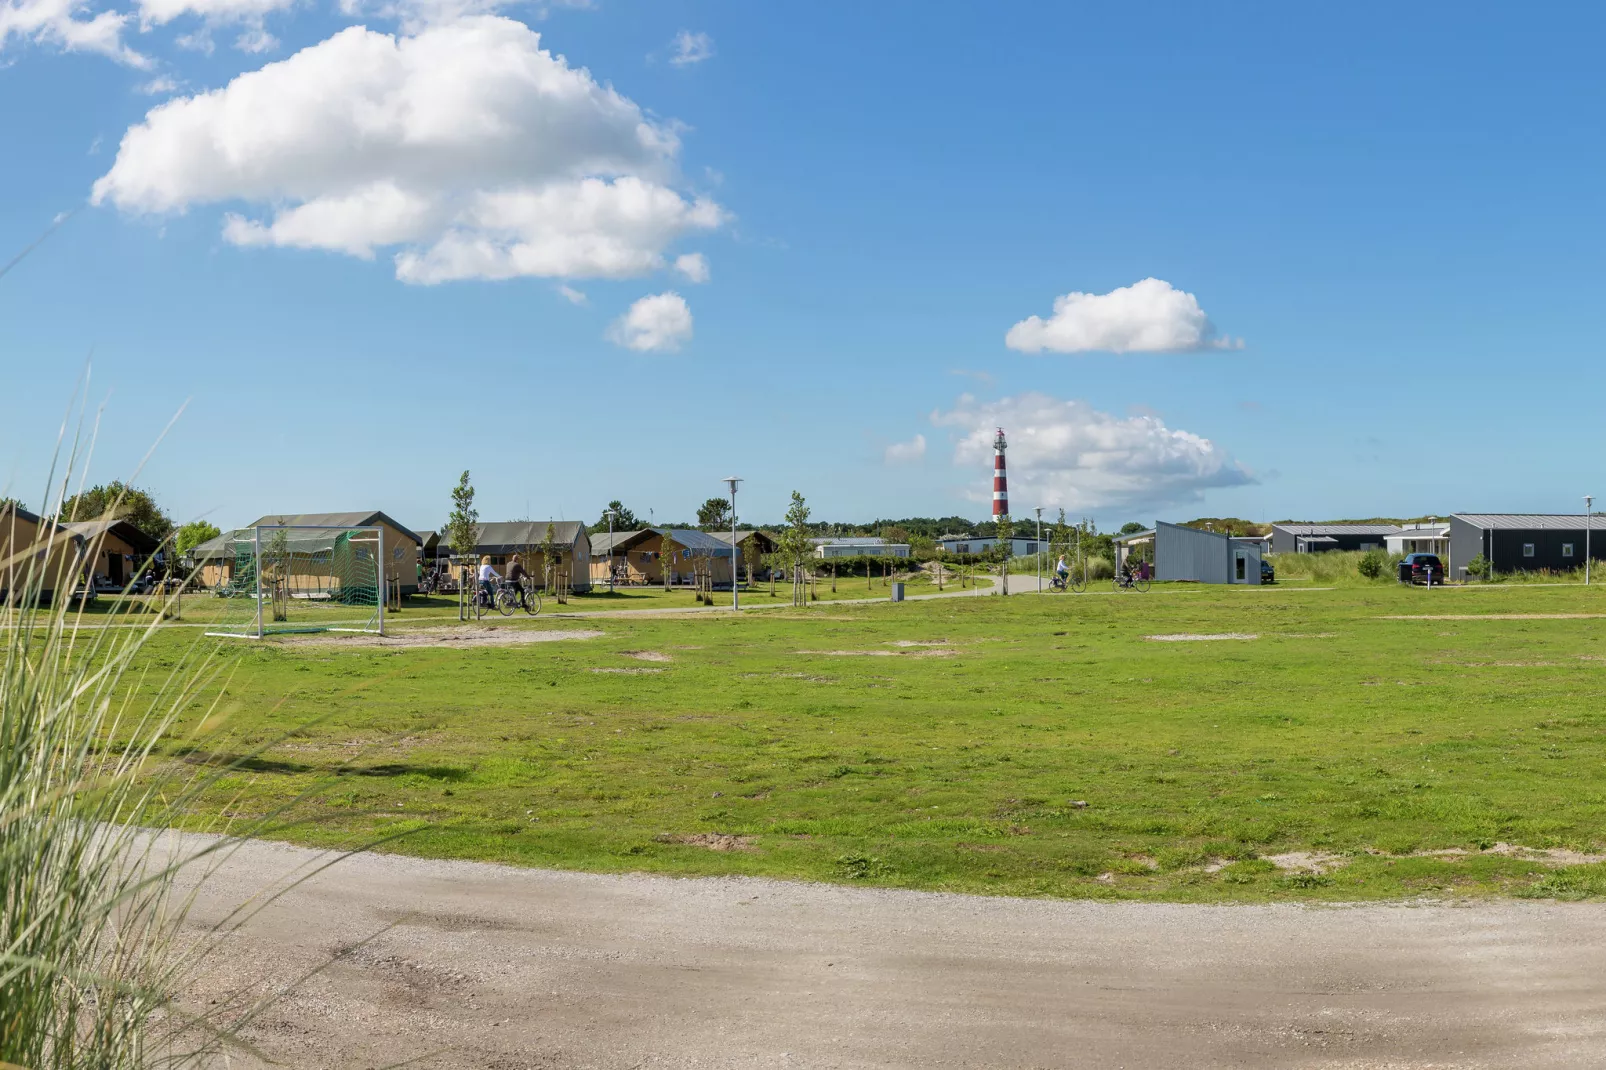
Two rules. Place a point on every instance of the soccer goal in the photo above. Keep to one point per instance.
(282, 579)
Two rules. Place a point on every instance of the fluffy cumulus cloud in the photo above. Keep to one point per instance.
(694, 266)
(1150, 316)
(68, 25)
(1069, 454)
(659, 323)
(465, 150)
(249, 15)
(906, 452)
(691, 48)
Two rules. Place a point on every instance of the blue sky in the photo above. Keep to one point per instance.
(1375, 232)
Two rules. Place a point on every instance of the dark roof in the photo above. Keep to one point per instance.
(700, 541)
(32, 518)
(1527, 521)
(334, 520)
(514, 535)
(428, 537)
(1337, 529)
(604, 542)
(89, 530)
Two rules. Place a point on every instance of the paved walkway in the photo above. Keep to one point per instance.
(469, 965)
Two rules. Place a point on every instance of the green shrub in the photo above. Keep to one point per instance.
(1478, 567)
(1372, 564)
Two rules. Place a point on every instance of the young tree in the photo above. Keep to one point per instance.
(750, 556)
(193, 534)
(623, 520)
(119, 501)
(551, 554)
(666, 555)
(715, 513)
(1003, 550)
(463, 523)
(795, 544)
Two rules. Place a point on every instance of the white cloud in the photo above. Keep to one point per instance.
(69, 26)
(694, 266)
(573, 296)
(691, 48)
(467, 148)
(906, 452)
(160, 86)
(256, 40)
(653, 324)
(1068, 454)
(1150, 316)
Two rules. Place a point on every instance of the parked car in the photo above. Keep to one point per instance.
(1418, 568)
(1267, 573)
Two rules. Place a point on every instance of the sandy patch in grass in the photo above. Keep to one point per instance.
(645, 655)
(442, 637)
(1307, 861)
(1493, 616)
(1545, 856)
(626, 672)
(920, 642)
(928, 653)
(713, 841)
(1193, 637)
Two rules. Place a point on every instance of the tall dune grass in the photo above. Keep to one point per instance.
(89, 921)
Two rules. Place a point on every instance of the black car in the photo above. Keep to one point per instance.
(1267, 573)
(1421, 568)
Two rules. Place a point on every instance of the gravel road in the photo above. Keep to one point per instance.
(459, 964)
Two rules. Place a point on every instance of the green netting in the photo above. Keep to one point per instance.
(278, 580)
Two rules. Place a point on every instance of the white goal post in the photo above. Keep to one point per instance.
(278, 579)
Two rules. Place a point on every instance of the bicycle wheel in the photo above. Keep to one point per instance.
(1078, 582)
(479, 605)
(506, 601)
(1140, 583)
(532, 601)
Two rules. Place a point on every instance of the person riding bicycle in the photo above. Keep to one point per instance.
(1061, 569)
(516, 574)
(488, 578)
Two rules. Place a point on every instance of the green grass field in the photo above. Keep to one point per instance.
(949, 744)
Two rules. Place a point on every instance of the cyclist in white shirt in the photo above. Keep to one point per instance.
(488, 578)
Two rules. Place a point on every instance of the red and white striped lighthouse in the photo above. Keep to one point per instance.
(1000, 478)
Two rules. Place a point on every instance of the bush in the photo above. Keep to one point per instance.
(1372, 564)
(1478, 567)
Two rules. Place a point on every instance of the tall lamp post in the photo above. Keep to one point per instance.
(1589, 510)
(736, 598)
(610, 550)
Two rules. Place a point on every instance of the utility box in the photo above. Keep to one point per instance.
(897, 590)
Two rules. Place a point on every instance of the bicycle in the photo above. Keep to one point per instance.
(531, 599)
(1131, 581)
(1076, 581)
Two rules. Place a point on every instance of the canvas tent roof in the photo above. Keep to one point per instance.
(334, 520)
(513, 536)
(605, 542)
(90, 530)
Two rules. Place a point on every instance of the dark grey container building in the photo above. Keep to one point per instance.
(1313, 538)
(1524, 542)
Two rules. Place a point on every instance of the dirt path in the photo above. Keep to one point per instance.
(484, 966)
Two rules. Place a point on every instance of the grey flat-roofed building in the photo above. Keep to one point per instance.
(1182, 553)
(1311, 538)
(1524, 542)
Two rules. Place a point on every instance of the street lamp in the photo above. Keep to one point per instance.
(1589, 503)
(736, 598)
(610, 513)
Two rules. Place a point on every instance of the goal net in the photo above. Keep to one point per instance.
(280, 579)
